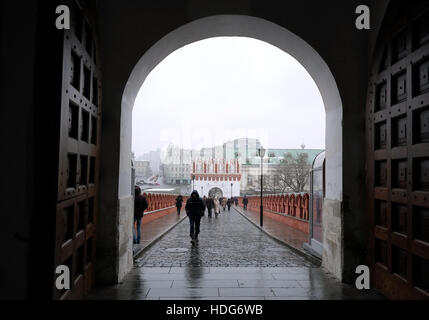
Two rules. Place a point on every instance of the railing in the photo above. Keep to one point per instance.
(294, 204)
(160, 205)
(158, 201)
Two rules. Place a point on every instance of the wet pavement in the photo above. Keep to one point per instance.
(233, 260)
(153, 230)
(228, 240)
(293, 237)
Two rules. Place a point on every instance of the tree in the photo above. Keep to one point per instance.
(291, 174)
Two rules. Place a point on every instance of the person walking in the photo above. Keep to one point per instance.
(245, 202)
(195, 210)
(140, 205)
(179, 201)
(223, 203)
(216, 206)
(209, 205)
(205, 203)
(229, 203)
(236, 201)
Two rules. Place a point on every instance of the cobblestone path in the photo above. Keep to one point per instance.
(228, 240)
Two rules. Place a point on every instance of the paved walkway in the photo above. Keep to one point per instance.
(291, 236)
(233, 260)
(156, 228)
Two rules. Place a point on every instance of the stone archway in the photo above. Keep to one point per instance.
(215, 193)
(257, 28)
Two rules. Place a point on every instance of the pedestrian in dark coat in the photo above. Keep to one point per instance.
(236, 201)
(245, 202)
(140, 205)
(209, 205)
(195, 210)
(179, 201)
(229, 203)
(205, 202)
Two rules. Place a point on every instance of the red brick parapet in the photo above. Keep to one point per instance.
(160, 205)
(290, 209)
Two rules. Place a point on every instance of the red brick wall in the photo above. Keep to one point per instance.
(165, 204)
(293, 209)
(290, 221)
(156, 215)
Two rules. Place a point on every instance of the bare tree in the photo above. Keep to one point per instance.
(291, 174)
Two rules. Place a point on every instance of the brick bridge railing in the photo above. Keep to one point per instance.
(290, 209)
(160, 205)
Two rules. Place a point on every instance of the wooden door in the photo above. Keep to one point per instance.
(77, 198)
(397, 131)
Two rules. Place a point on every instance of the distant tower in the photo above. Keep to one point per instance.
(303, 146)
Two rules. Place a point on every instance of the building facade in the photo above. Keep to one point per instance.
(154, 158)
(216, 177)
(176, 164)
(243, 149)
(273, 166)
(142, 168)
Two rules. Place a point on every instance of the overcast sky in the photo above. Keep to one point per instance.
(219, 89)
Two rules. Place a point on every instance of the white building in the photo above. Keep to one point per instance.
(243, 149)
(154, 158)
(142, 168)
(176, 164)
(216, 177)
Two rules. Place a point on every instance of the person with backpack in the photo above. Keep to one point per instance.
(140, 205)
(195, 210)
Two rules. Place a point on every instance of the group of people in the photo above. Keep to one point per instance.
(195, 208)
(211, 204)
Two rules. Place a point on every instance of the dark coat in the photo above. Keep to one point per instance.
(245, 201)
(179, 201)
(229, 202)
(194, 206)
(209, 203)
(140, 205)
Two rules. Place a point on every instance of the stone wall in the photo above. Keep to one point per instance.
(332, 257)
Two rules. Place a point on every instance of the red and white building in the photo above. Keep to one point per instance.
(216, 177)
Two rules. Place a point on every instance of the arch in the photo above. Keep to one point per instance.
(215, 192)
(241, 26)
(260, 29)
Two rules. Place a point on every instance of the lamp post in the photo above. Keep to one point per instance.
(193, 179)
(261, 152)
(231, 190)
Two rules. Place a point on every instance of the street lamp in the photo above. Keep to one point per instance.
(193, 179)
(231, 190)
(261, 153)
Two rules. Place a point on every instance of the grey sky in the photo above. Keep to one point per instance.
(219, 89)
